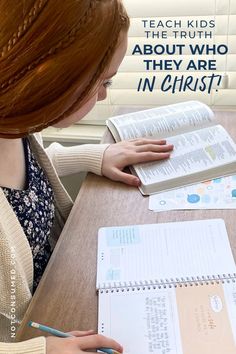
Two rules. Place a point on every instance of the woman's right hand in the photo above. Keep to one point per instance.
(80, 343)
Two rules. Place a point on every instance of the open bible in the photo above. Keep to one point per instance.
(203, 150)
(168, 288)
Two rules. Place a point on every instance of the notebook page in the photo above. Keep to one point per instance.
(132, 319)
(151, 253)
(192, 319)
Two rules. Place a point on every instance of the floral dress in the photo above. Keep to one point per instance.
(34, 207)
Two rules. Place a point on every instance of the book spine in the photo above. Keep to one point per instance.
(167, 283)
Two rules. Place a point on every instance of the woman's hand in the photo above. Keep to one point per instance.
(118, 156)
(80, 343)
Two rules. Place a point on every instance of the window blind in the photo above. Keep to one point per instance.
(123, 95)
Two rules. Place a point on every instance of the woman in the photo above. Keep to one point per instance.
(57, 58)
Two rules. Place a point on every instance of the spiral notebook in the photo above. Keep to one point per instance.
(168, 288)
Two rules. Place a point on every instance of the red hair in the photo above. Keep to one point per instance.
(48, 50)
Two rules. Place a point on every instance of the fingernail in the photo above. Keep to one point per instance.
(121, 349)
(137, 182)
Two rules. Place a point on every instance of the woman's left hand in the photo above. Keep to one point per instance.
(118, 156)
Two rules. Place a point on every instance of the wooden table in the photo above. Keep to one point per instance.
(66, 297)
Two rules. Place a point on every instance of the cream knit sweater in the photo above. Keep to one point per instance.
(16, 262)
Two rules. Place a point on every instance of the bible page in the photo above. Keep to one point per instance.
(193, 152)
(162, 122)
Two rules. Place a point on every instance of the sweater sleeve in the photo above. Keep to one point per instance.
(31, 346)
(73, 159)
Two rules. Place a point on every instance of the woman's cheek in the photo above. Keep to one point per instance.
(102, 94)
(78, 115)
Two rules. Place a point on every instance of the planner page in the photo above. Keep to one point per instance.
(149, 254)
(197, 319)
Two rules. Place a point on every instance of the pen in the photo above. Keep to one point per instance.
(61, 334)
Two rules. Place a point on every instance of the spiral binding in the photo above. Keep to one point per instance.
(116, 287)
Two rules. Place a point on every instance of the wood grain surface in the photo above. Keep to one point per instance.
(66, 297)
